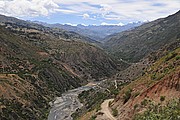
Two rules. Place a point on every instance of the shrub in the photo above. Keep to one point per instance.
(93, 117)
(153, 76)
(144, 102)
(172, 55)
(136, 94)
(162, 98)
(114, 112)
(178, 57)
(127, 95)
(169, 112)
(135, 106)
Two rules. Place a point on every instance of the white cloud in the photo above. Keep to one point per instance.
(119, 24)
(124, 9)
(86, 16)
(65, 11)
(70, 24)
(107, 9)
(20, 8)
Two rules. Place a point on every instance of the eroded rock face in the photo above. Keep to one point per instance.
(169, 87)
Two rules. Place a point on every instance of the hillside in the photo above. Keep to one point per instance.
(38, 64)
(135, 76)
(158, 85)
(92, 31)
(26, 26)
(27, 80)
(135, 44)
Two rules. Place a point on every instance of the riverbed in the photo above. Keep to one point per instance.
(63, 107)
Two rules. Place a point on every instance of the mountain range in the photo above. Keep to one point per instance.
(40, 61)
(135, 44)
(95, 32)
(47, 62)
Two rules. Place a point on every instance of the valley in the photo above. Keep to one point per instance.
(63, 107)
(105, 72)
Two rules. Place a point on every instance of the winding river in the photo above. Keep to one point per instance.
(63, 107)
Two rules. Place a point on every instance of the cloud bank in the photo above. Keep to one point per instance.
(92, 9)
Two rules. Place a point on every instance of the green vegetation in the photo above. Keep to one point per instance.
(136, 106)
(170, 56)
(114, 112)
(91, 99)
(93, 117)
(127, 95)
(138, 43)
(19, 111)
(164, 65)
(144, 102)
(178, 57)
(48, 64)
(162, 98)
(157, 112)
(136, 94)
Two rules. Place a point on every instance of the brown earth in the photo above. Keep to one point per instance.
(168, 87)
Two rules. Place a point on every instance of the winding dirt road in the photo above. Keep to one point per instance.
(105, 109)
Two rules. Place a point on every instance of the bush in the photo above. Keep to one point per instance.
(93, 117)
(114, 112)
(144, 102)
(172, 55)
(127, 95)
(178, 57)
(153, 76)
(170, 112)
(136, 106)
(136, 94)
(162, 98)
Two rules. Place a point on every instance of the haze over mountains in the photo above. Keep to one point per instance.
(97, 33)
(137, 64)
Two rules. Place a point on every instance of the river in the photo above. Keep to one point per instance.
(63, 107)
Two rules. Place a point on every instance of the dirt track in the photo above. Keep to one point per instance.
(105, 109)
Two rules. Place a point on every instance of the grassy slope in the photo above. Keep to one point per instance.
(135, 44)
(49, 64)
(25, 80)
(161, 79)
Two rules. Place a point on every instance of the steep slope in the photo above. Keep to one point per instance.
(159, 84)
(36, 65)
(137, 69)
(153, 80)
(133, 45)
(21, 25)
(69, 49)
(92, 31)
(28, 81)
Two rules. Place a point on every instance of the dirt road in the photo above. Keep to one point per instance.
(105, 109)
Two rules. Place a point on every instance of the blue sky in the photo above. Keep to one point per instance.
(89, 12)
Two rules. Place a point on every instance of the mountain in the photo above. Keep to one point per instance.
(38, 63)
(92, 31)
(11, 22)
(135, 44)
(154, 93)
(149, 87)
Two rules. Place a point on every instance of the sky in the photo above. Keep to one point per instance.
(89, 12)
